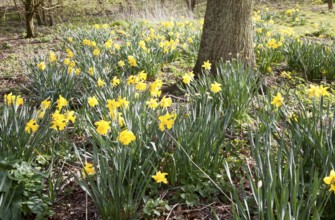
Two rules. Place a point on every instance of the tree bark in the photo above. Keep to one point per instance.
(227, 33)
(29, 9)
(39, 17)
(330, 4)
(190, 4)
(51, 14)
(30, 25)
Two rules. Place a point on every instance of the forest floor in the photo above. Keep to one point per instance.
(15, 50)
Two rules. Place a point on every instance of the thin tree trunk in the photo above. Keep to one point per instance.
(190, 4)
(18, 11)
(227, 33)
(330, 4)
(39, 17)
(51, 14)
(29, 9)
(30, 25)
(162, 3)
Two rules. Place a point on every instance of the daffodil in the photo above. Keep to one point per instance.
(61, 102)
(41, 66)
(166, 102)
(45, 104)
(86, 42)
(31, 126)
(123, 102)
(96, 52)
(115, 81)
(141, 86)
(13, 99)
(152, 103)
(278, 100)
(59, 121)
(101, 83)
(67, 61)
(92, 101)
(121, 63)
(313, 91)
(69, 115)
(88, 169)
(207, 65)
(167, 121)
(330, 180)
(69, 53)
(52, 57)
(91, 71)
(117, 46)
(121, 119)
(323, 91)
(142, 75)
(317, 91)
(102, 127)
(126, 137)
(109, 43)
(112, 105)
(215, 87)
(188, 77)
(132, 61)
(77, 72)
(160, 177)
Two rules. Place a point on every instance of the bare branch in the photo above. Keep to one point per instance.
(47, 9)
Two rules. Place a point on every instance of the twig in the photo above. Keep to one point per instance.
(47, 9)
(176, 97)
(167, 217)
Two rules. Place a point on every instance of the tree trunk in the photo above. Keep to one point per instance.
(162, 3)
(330, 4)
(39, 17)
(51, 14)
(227, 33)
(30, 25)
(29, 9)
(190, 4)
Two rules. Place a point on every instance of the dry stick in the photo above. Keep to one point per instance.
(188, 156)
(167, 217)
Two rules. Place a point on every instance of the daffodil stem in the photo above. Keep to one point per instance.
(86, 200)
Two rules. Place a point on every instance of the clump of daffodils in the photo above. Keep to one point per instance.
(13, 99)
(317, 91)
(60, 120)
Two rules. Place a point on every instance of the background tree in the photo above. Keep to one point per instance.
(30, 7)
(190, 4)
(227, 32)
(330, 4)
